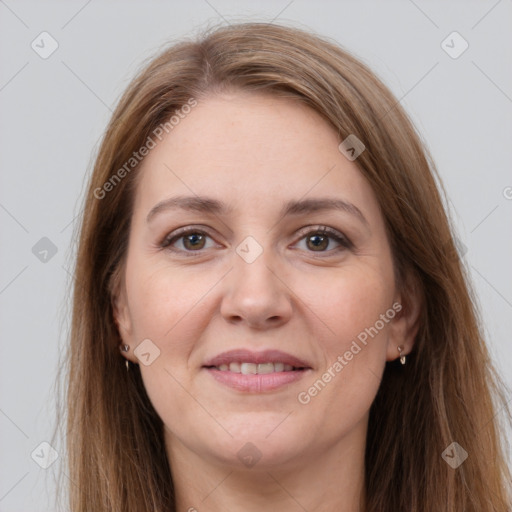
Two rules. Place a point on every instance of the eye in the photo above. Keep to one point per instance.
(190, 239)
(321, 240)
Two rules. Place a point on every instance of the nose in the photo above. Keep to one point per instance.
(256, 294)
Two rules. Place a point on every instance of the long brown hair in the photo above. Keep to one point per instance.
(448, 391)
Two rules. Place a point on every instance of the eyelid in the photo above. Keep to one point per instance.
(170, 238)
(338, 236)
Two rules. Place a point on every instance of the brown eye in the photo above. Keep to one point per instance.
(317, 242)
(324, 240)
(194, 241)
(186, 241)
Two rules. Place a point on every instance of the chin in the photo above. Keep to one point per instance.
(257, 444)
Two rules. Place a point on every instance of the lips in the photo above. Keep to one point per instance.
(246, 368)
(247, 362)
(256, 372)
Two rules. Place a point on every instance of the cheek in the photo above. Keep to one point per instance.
(353, 308)
(348, 303)
(354, 350)
(164, 302)
(167, 306)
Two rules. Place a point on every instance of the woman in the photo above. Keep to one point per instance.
(269, 309)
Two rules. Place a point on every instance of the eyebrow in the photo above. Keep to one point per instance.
(202, 204)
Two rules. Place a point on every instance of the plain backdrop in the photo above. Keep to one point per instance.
(54, 108)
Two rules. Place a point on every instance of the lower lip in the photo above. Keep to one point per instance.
(256, 383)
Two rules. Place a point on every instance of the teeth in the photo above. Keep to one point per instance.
(255, 369)
(266, 368)
(234, 367)
(248, 369)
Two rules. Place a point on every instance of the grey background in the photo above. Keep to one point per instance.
(53, 112)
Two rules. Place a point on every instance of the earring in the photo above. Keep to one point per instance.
(402, 357)
(126, 348)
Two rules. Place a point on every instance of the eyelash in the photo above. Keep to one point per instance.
(344, 242)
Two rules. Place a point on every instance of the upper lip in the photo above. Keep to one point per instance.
(265, 356)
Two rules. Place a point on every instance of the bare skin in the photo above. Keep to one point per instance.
(306, 295)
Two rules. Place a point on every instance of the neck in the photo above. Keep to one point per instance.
(332, 480)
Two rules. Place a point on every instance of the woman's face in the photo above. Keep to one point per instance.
(261, 339)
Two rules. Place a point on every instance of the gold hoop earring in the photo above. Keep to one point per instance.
(402, 356)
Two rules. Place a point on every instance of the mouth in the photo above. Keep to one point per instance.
(246, 368)
(256, 372)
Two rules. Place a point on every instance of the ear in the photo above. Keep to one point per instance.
(403, 328)
(120, 308)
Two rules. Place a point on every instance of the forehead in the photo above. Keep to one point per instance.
(250, 149)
